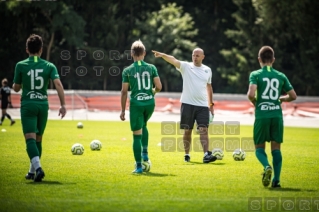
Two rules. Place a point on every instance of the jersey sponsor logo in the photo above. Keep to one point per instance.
(268, 106)
(36, 95)
(143, 97)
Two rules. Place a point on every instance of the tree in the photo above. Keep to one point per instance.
(56, 22)
(248, 38)
(298, 44)
(168, 30)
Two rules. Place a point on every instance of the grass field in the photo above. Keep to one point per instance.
(102, 180)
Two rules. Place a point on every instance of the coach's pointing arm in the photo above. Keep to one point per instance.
(168, 58)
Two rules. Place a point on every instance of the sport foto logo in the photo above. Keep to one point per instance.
(283, 204)
(172, 139)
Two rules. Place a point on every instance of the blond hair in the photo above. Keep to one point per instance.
(138, 48)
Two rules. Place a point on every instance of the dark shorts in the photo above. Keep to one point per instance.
(139, 115)
(4, 104)
(34, 117)
(268, 129)
(190, 113)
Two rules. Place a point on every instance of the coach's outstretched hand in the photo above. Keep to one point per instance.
(157, 54)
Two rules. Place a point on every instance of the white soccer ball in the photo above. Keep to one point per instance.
(146, 165)
(239, 155)
(80, 125)
(77, 149)
(218, 153)
(95, 145)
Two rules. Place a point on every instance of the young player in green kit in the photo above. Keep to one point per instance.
(140, 77)
(33, 75)
(265, 88)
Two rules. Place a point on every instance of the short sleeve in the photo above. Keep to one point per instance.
(210, 77)
(54, 72)
(154, 71)
(17, 75)
(125, 78)
(182, 68)
(287, 86)
(252, 78)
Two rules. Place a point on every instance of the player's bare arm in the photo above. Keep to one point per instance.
(16, 87)
(168, 58)
(252, 93)
(210, 98)
(158, 85)
(59, 87)
(291, 96)
(124, 92)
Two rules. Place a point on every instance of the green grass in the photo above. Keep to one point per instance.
(102, 180)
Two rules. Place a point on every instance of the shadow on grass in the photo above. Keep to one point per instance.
(201, 163)
(47, 183)
(292, 189)
(152, 174)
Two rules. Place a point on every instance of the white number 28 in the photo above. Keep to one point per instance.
(271, 90)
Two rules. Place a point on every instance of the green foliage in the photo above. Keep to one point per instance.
(298, 44)
(102, 180)
(289, 27)
(168, 30)
(230, 32)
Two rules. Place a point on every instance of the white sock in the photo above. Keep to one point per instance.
(206, 153)
(36, 162)
(187, 155)
(32, 169)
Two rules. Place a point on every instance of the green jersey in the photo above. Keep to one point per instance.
(270, 84)
(140, 77)
(33, 74)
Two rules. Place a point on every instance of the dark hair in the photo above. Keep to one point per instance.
(5, 81)
(34, 43)
(138, 48)
(266, 54)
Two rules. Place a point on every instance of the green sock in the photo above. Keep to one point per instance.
(145, 139)
(137, 148)
(277, 162)
(32, 149)
(262, 157)
(39, 145)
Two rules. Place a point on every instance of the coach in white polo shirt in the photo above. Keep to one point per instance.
(196, 99)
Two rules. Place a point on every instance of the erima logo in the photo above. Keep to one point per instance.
(268, 106)
(143, 96)
(35, 95)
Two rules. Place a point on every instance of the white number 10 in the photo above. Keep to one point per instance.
(34, 75)
(271, 90)
(145, 77)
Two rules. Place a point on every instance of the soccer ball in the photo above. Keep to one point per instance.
(239, 155)
(77, 149)
(146, 166)
(80, 125)
(218, 153)
(96, 145)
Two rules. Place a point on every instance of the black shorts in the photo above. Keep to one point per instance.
(190, 113)
(4, 104)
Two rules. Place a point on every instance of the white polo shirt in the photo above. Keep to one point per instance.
(195, 80)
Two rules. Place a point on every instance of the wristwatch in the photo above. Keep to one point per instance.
(211, 104)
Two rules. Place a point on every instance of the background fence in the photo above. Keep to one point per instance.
(94, 101)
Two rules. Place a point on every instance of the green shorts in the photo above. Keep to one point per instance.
(268, 129)
(139, 115)
(34, 117)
